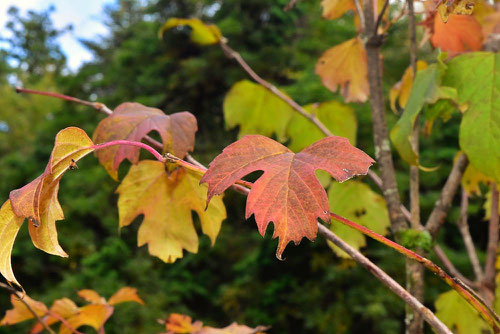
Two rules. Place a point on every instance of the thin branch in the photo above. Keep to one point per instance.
(21, 299)
(491, 252)
(64, 322)
(463, 227)
(380, 17)
(443, 204)
(483, 310)
(450, 267)
(361, 14)
(387, 280)
(148, 148)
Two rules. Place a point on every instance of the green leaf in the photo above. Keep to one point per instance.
(256, 110)
(458, 315)
(203, 34)
(426, 89)
(476, 77)
(355, 201)
(339, 118)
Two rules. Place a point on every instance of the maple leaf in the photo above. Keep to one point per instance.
(460, 34)
(339, 118)
(345, 65)
(459, 315)
(333, 9)
(20, 312)
(400, 92)
(9, 227)
(166, 201)
(476, 77)
(37, 200)
(288, 193)
(133, 121)
(355, 200)
(203, 34)
(256, 110)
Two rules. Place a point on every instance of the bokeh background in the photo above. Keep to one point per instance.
(111, 53)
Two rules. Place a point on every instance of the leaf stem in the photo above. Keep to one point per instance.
(148, 148)
(478, 305)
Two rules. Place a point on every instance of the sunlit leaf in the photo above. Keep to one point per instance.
(256, 110)
(288, 193)
(345, 66)
(355, 201)
(167, 201)
(201, 33)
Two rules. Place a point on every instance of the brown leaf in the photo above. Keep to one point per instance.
(133, 121)
(20, 312)
(345, 65)
(37, 200)
(288, 193)
(126, 294)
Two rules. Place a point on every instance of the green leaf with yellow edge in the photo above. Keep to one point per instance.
(38, 201)
(9, 226)
(458, 315)
(355, 201)
(167, 201)
(201, 33)
(425, 89)
(339, 118)
(476, 76)
(256, 110)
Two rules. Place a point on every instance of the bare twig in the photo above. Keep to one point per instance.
(394, 286)
(463, 227)
(491, 251)
(14, 292)
(64, 322)
(380, 16)
(449, 190)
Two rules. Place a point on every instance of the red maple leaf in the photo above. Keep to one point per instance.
(288, 193)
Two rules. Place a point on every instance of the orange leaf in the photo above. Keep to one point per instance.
(234, 328)
(179, 323)
(37, 200)
(91, 296)
(333, 9)
(460, 34)
(20, 312)
(167, 201)
(288, 193)
(345, 65)
(126, 294)
(9, 226)
(63, 308)
(133, 121)
(94, 315)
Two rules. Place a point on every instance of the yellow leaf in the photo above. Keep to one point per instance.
(471, 179)
(91, 296)
(457, 7)
(345, 66)
(94, 315)
(20, 312)
(333, 9)
(166, 201)
(400, 92)
(203, 34)
(38, 202)
(9, 226)
(62, 308)
(126, 294)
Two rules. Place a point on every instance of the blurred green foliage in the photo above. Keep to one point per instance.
(239, 279)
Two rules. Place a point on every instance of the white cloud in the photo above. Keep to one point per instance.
(85, 16)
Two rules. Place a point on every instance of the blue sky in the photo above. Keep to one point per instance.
(85, 16)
